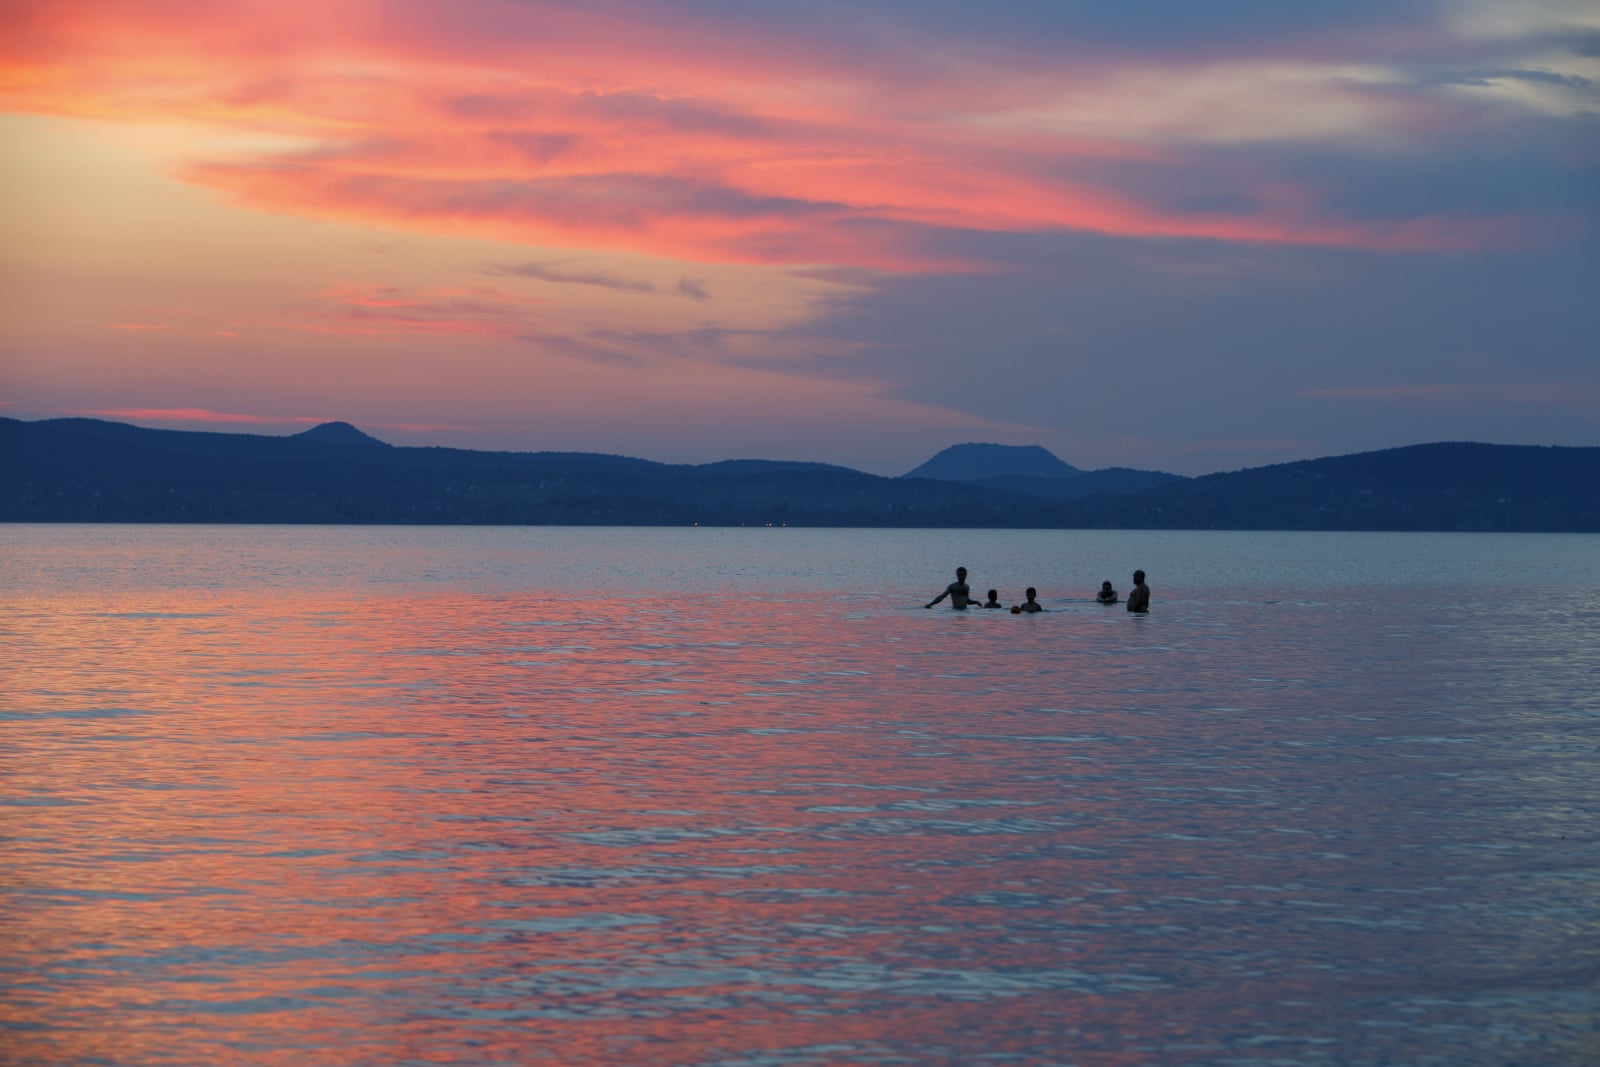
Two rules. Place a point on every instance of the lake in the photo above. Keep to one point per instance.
(647, 797)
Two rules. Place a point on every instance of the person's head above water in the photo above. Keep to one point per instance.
(1105, 584)
(1138, 576)
(961, 572)
(994, 594)
(1032, 592)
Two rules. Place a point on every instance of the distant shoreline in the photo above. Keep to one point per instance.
(92, 471)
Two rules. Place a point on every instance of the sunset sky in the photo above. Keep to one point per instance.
(1153, 233)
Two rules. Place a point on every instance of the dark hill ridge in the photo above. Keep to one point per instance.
(341, 433)
(1463, 486)
(85, 470)
(973, 462)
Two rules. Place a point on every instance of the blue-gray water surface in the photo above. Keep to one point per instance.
(350, 796)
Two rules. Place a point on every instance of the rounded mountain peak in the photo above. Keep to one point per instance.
(974, 462)
(340, 433)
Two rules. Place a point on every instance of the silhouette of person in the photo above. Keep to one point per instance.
(1139, 596)
(1030, 605)
(994, 599)
(1108, 595)
(958, 591)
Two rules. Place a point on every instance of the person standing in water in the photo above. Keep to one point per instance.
(994, 599)
(1139, 597)
(1108, 595)
(1031, 604)
(958, 591)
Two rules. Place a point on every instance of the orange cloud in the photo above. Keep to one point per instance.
(705, 141)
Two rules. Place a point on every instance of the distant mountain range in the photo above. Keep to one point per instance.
(88, 470)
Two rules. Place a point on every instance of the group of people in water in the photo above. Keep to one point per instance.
(961, 597)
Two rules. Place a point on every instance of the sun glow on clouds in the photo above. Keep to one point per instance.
(556, 126)
(428, 215)
(194, 416)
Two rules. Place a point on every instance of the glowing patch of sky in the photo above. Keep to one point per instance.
(850, 232)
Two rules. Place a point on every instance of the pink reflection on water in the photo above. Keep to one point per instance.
(644, 830)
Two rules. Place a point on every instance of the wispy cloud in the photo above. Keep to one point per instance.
(554, 274)
(385, 309)
(195, 415)
(694, 290)
(557, 274)
(688, 131)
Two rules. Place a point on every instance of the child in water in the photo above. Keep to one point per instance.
(994, 599)
(1030, 605)
(1107, 595)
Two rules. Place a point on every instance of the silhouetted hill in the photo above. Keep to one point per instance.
(1447, 486)
(86, 470)
(972, 462)
(1030, 470)
(341, 433)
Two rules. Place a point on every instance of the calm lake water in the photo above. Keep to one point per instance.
(341, 796)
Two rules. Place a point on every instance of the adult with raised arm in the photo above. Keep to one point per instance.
(958, 591)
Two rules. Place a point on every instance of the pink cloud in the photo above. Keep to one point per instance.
(202, 415)
(644, 130)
